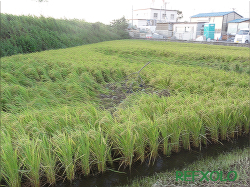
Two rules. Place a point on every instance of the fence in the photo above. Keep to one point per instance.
(188, 35)
(201, 42)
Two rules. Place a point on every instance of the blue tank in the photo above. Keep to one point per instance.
(209, 29)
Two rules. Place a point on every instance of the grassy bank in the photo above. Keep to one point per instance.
(238, 161)
(26, 34)
(54, 122)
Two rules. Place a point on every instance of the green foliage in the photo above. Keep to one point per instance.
(119, 26)
(27, 34)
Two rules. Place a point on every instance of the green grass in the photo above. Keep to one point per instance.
(54, 122)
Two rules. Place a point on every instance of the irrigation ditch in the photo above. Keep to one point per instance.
(177, 161)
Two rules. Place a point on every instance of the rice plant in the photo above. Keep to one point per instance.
(140, 142)
(48, 159)
(166, 134)
(195, 126)
(152, 136)
(65, 150)
(125, 137)
(84, 150)
(175, 129)
(10, 165)
(31, 158)
(101, 150)
(212, 125)
(224, 121)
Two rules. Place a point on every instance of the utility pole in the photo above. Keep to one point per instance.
(165, 3)
(132, 17)
(165, 11)
(160, 14)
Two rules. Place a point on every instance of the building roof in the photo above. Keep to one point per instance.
(154, 9)
(212, 14)
(239, 20)
(189, 22)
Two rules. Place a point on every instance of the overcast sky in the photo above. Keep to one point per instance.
(106, 11)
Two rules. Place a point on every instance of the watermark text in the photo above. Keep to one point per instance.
(208, 175)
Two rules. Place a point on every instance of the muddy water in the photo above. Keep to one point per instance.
(176, 161)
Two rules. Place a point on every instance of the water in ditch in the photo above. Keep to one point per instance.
(163, 163)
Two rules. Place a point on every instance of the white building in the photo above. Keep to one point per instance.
(220, 19)
(181, 30)
(235, 25)
(188, 30)
(146, 19)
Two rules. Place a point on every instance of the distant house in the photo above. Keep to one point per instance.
(181, 30)
(235, 25)
(188, 30)
(220, 19)
(149, 17)
(165, 29)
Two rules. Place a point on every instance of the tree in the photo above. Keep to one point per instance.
(180, 15)
(120, 26)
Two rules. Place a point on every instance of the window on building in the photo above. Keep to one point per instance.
(189, 29)
(172, 16)
(155, 15)
(164, 16)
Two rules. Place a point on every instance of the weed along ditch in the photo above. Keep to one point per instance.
(104, 113)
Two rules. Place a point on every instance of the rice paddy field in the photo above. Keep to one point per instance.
(70, 111)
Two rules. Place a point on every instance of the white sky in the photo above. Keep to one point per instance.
(106, 11)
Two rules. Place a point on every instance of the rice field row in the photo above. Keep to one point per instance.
(53, 125)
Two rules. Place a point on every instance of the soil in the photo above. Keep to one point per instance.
(118, 92)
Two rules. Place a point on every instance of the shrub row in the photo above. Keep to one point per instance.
(26, 34)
